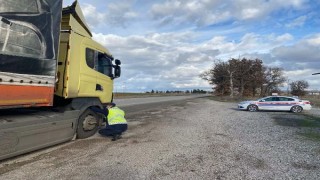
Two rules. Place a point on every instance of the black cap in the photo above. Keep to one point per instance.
(111, 104)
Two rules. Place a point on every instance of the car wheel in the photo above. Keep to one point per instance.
(296, 109)
(88, 124)
(252, 108)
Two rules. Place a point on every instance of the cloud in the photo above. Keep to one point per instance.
(297, 75)
(93, 17)
(204, 12)
(188, 11)
(160, 59)
(284, 38)
(299, 60)
(117, 14)
(120, 13)
(298, 22)
(162, 56)
(173, 60)
(303, 54)
(314, 40)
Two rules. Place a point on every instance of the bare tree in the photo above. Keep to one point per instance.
(298, 87)
(218, 76)
(243, 73)
(256, 76)
(247, 75)
(273, 80)
(231, 69)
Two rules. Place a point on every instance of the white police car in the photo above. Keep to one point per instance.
(276, 103)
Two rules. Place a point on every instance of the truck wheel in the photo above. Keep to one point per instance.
(88, 124)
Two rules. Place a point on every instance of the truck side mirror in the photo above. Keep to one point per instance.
(117, 62)
(117, 71)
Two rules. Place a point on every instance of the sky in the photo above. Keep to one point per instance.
(167, 44)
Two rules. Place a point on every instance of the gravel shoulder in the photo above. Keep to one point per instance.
(192, 139)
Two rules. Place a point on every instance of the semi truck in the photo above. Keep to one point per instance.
(51, 73)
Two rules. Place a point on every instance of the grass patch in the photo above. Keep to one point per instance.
(308, 125)
(312, 135)
(315, 100)
(310, 121)
(301, 120)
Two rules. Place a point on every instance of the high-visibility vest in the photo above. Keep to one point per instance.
(116, 116)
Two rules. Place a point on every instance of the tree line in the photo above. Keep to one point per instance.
(193, 91)
(248, 77)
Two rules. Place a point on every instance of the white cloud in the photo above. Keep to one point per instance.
(314, 41)
(250, 13)
(204, 12)
(155, 56)
(116, 14)
(298, 73)
(298, 22)
(162, 56)
(173, 60)
(304, 54)
(189, 11)
(306, 74)
(120, 13)
(284, 38)
(93, 17)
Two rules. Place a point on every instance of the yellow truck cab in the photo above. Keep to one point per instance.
(84, 66)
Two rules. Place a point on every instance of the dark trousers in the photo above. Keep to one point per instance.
(112, 130)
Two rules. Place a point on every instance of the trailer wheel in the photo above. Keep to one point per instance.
(88, 124)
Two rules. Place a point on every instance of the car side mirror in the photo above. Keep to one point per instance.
(262, 100)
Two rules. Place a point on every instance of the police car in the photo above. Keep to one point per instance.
(276, 103)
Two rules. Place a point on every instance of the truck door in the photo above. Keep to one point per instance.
(104, 77)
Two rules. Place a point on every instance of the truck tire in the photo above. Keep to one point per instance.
(88, 124)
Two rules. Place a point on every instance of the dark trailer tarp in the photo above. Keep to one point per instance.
(29, 40)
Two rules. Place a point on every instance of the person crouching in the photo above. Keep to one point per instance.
(116, 122)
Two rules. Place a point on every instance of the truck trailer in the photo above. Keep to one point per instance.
(51, 73)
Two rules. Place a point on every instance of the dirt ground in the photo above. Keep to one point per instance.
(191, 139)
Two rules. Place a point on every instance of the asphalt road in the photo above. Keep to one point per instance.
(149, 100)
(186, 139)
